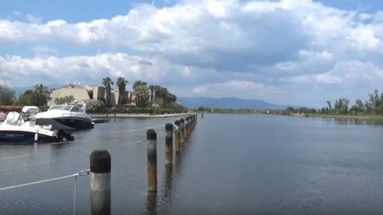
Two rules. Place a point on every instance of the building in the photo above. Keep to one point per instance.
(129, 98)
(95, 92)
(88, 92)
(79, 93)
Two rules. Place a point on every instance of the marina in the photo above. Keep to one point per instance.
(324, 165)
(65, 116)
(191, 107)
(22, 129)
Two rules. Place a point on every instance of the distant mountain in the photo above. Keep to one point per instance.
(228, 102)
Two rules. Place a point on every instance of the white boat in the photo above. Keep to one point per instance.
(66, 116)
(17, 128)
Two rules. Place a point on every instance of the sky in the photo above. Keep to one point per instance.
(289, 52)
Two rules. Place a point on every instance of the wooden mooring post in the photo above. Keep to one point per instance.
(187, 126)
(100, 168)
(182, 131)
(178, 136)
(151, 137)
(169, 144)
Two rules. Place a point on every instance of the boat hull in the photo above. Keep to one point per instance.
(24, 137)
(68, 123)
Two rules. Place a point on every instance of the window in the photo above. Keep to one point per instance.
(75, 109)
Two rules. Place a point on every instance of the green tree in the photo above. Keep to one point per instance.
(169, 98)
(64, 100)
(27, 98)
(41, 94)
(107, 82)
(151, 87)
(93, 106)
(7, 96)
(141, 91)
(121, 83)
(139, 83)
(341, 106)
(358, 107)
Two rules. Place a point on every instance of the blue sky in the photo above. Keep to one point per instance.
(298, 52)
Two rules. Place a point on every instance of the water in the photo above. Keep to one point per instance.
(232, 164)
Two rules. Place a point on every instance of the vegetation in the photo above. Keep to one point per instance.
(341, 108)
(229, 110)
(41, 95)
(121, 83)
(373, 106)
(152, 99)
(107, 82)
(38, 96)
(141, 91)
(7, 96)
(64, 100)
(27, 98)
(94, 106)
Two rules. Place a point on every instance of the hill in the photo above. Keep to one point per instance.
(228, 102)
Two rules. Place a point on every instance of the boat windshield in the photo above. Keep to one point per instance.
(75, 109)
(60, 107)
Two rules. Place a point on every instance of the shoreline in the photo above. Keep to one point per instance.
(348, 117)
(134, 115)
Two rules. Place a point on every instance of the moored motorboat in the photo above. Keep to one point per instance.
(16, 129)
(66, 116)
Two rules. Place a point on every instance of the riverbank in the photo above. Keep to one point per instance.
(348, 117)
(135, 115)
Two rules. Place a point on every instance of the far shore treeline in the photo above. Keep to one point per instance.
(341, 107)
(152, 99)
(372, 106)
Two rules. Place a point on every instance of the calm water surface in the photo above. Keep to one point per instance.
(232, 164)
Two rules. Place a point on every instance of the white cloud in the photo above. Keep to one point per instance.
(20, 71)
(345, 74)
(210, 26)
(364, 38)
(26, 71)
(237, 88)
(271, 49)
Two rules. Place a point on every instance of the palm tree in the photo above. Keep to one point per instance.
(41, 94)
(151, 87)
(138, 84)
(168, 98)
(156, 89)
(163, 95)
(107, 82)
(142, 93)
(121, 83)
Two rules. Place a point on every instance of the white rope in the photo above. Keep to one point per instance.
(175, 128)
(81, 173)
(74, 193)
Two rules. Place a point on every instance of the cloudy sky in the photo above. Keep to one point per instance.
(298, 52)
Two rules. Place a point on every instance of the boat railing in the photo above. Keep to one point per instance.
(65, 114)
(75, 176)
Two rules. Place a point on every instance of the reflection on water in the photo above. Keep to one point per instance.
(355, 121)
(151, 203)
(232, 164)
(167, 186)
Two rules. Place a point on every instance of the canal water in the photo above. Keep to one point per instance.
(232, 164)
